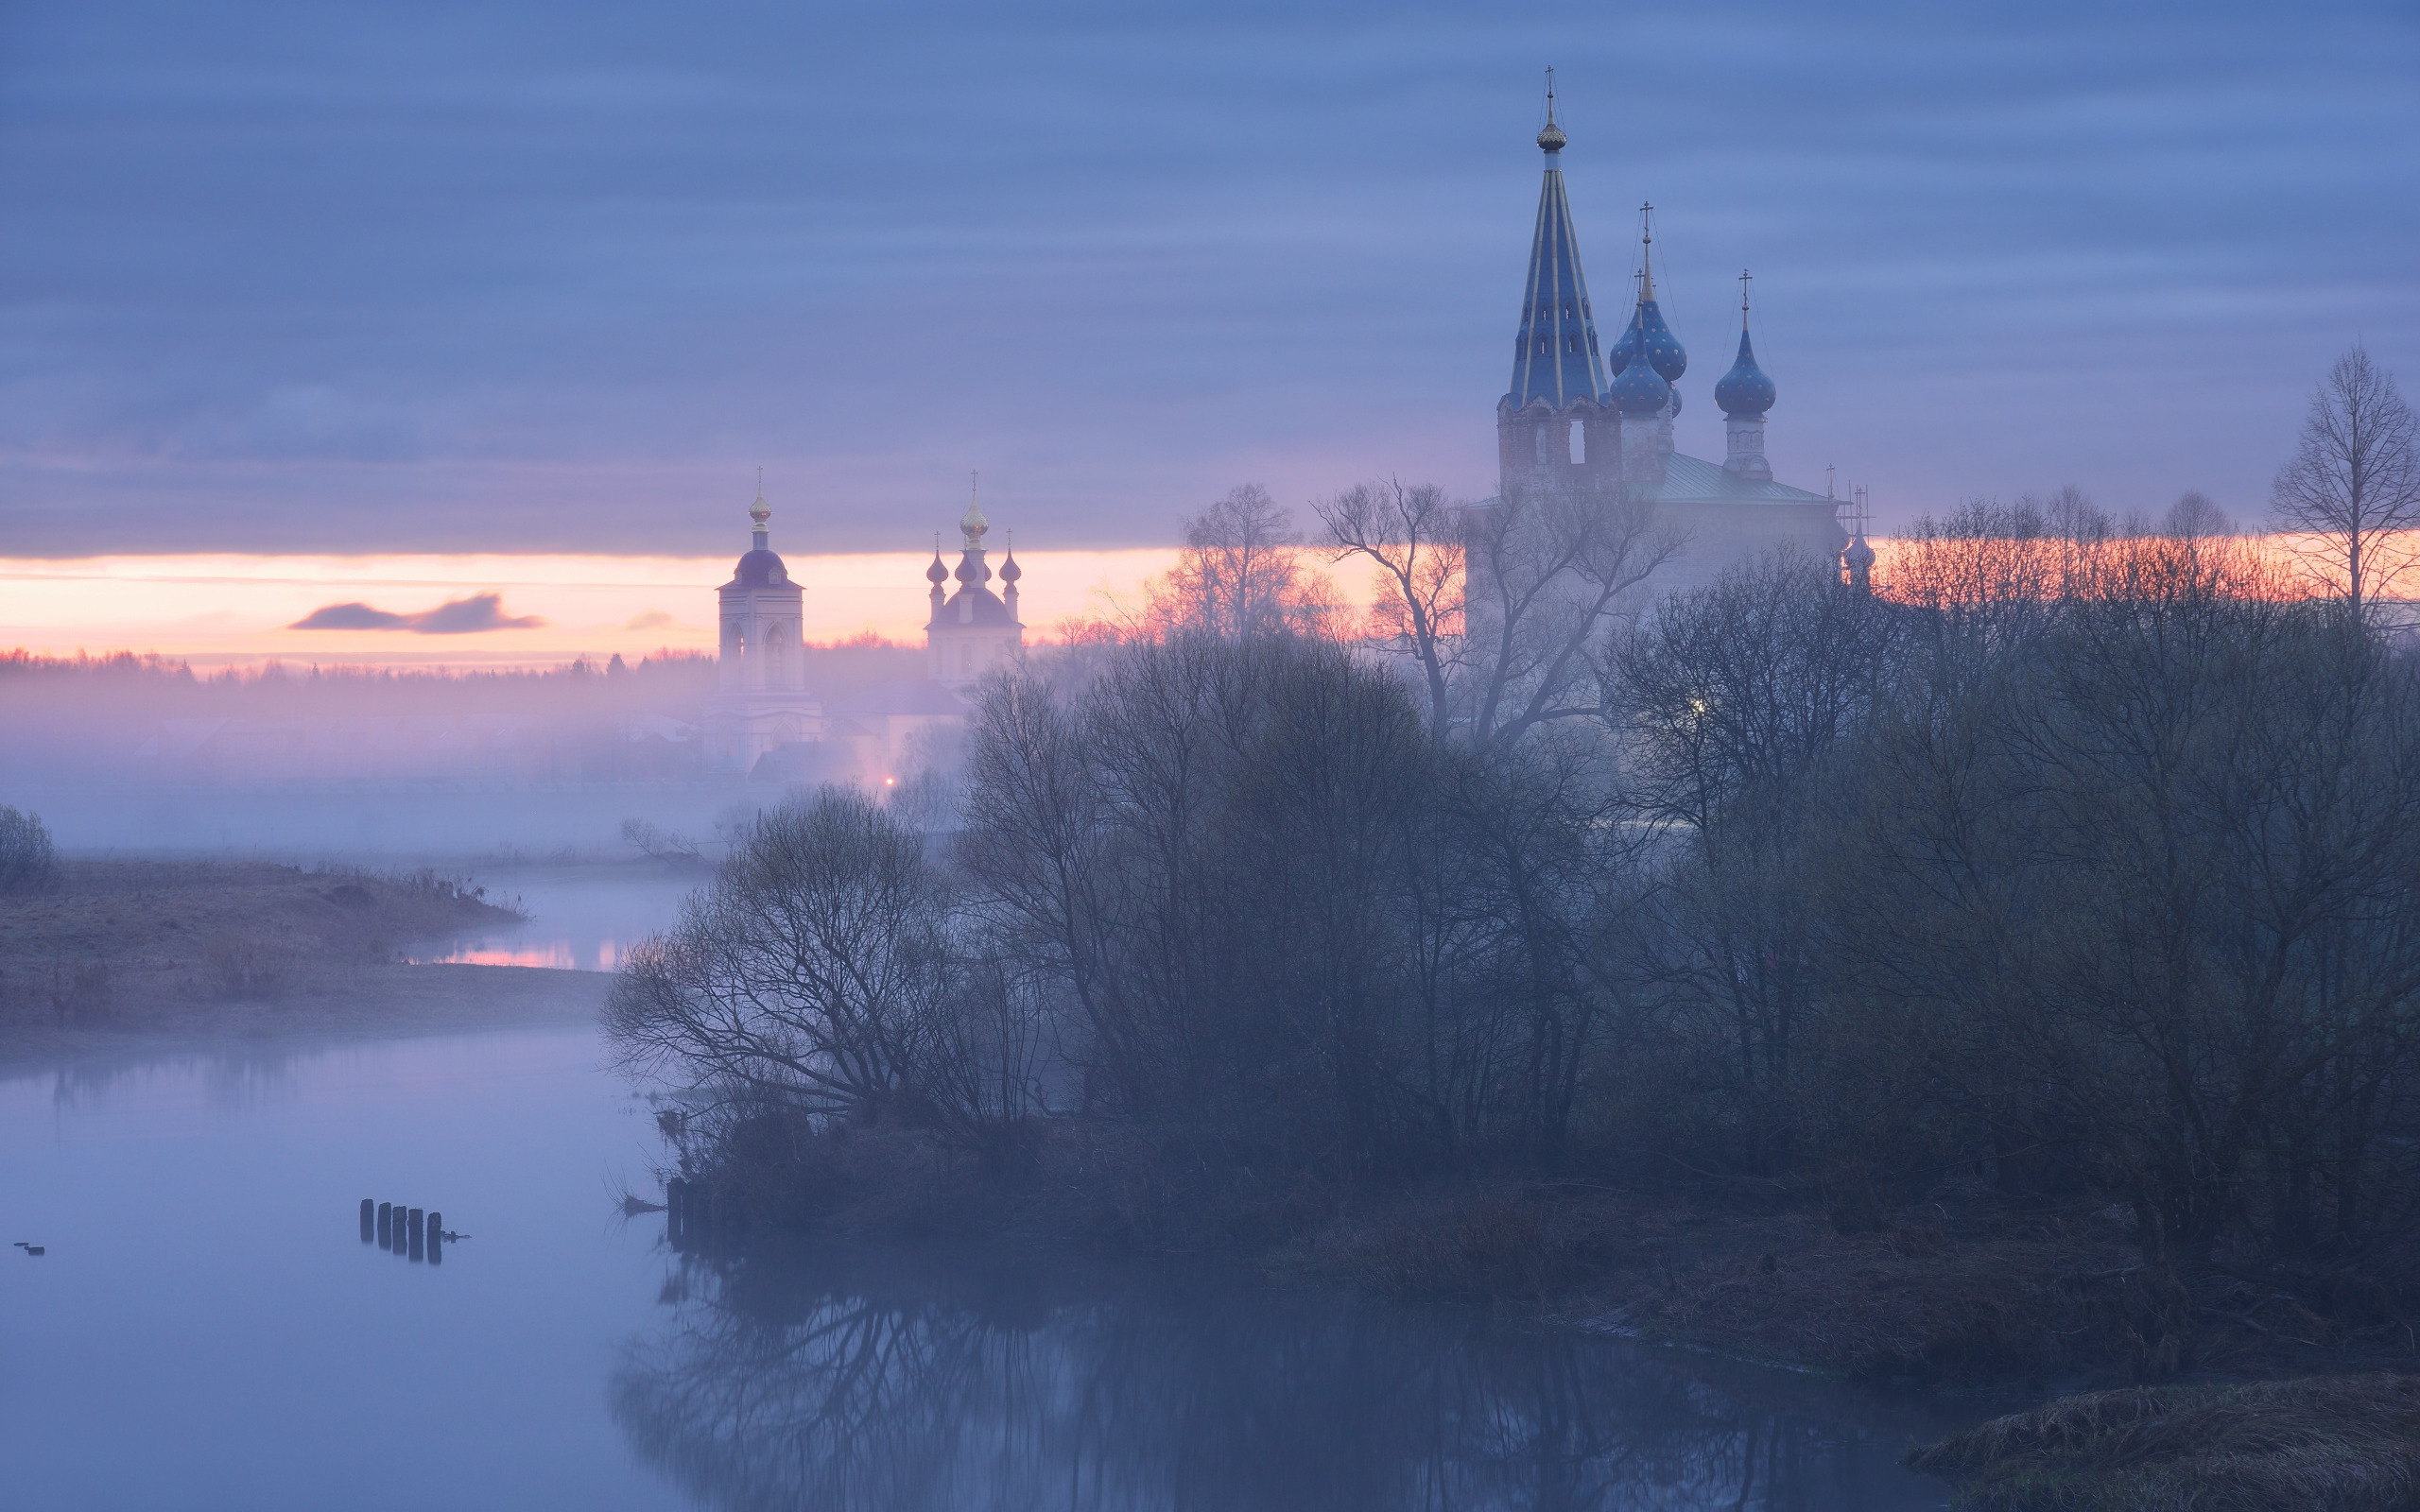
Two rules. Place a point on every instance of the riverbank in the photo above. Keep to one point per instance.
(2343, 1443)
(127, 954)
(1960, 1291)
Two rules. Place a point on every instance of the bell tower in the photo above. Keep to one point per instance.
(760, 674)
(1554, 431)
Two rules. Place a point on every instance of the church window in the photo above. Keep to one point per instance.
(1578, 443)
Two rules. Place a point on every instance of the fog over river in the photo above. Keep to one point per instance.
(208, 1329)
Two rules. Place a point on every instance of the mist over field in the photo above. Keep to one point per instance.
(138, 756)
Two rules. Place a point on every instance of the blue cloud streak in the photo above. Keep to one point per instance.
(289, 276)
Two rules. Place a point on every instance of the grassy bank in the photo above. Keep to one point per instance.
(122, 952)
(2330, 1444)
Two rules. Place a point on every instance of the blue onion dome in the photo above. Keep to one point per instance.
(1639, 391)
(936, 574)
(1656, 339)
(760, 569)
(1744, 392)
(1859, 554)
(1626, 348)
(1009, 570)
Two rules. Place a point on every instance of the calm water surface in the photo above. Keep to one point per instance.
(207, 1330)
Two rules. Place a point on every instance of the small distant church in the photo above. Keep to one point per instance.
(1597, 424)
(763, 720)
(974, 629)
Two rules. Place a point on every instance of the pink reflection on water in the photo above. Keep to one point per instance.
(560, 956)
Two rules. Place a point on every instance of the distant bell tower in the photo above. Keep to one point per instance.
(1554, 431)
(760, 685)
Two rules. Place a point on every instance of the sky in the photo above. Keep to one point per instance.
(395, 279)
(493, 609)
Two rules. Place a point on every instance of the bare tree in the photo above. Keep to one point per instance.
(1241, 574)
(2354, 482)
(1545, 579)
(1413, 536)
(1503, 606)
(2195, 516)
(806, 977)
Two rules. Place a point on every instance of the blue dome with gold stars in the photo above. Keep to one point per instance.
(1655, 339)
(1638, 389)
(1744, 392)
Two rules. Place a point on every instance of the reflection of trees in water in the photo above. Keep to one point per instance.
(756, 1396)
(237, 1077)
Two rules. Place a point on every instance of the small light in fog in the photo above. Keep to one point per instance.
(890, 781)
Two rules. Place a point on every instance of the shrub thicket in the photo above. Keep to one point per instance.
(29, 861)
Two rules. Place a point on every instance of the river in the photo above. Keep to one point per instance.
(206, 1328)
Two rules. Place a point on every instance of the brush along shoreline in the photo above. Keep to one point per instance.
(1962, 1293)
(1962, 1290)
(126, 954)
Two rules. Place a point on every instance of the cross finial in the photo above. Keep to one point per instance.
(1744, 277)
(1550, 137)
(1646, 249)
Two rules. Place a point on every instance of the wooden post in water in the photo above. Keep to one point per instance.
(435, 1236)
(676, 1213)
(369, 1220)
(386, 1226)
(415, 1230)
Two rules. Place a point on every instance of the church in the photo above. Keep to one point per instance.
(763, 720)
(1596, 426)
(1581, 424)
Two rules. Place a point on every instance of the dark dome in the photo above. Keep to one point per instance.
(936, 574)
(1744, 392)
(1662, 347)
(1640, 390)
(1009, 570)
(1858, 554)
(1619, 358)
(760, 569)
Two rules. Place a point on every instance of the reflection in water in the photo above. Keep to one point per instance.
(237, 1079)
(853, 1384)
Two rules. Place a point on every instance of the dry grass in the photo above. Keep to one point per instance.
(1921, 1303)
(137, 948)
(2336, 1444)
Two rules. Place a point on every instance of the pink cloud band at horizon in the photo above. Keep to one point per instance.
(228, 610)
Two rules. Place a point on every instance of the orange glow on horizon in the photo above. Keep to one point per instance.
(235, 610)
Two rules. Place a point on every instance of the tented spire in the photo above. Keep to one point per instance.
(1555, 357)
